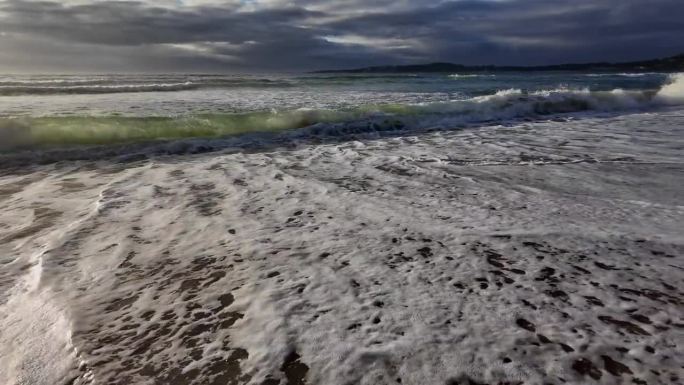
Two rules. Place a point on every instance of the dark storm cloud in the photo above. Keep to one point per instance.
(274, 34)
(536, 31)
(134, 23)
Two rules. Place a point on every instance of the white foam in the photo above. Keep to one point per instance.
(625, 74)
(42, 89)
(35, 343)
(220, 266)
(673, 91)
(471, 76)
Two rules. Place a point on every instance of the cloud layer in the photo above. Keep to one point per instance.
(271, 35)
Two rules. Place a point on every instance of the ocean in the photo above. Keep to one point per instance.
(45, 112)
(341, 229)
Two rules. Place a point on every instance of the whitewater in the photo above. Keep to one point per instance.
(342, 229)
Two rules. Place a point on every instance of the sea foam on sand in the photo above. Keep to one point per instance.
(539, 252)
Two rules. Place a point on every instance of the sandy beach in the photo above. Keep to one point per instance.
(531, 252)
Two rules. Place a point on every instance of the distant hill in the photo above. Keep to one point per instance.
(670, 64)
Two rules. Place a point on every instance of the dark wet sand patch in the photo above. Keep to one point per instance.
(44, 218)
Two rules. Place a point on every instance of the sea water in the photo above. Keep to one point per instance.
(42, 111)
(339, 229)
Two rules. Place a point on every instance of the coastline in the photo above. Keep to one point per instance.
(531, 251)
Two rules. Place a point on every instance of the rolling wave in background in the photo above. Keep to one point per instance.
(40, 132)
(126, 84)
(33, 89)
(470, 76)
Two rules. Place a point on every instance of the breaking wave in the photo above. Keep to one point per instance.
(624, 74)
(673, 91)
(470, 76)
(34, 89)
(47, 132)
(108, 85)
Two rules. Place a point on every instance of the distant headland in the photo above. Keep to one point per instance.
(670, 64)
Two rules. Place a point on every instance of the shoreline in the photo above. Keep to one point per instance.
(524, 253)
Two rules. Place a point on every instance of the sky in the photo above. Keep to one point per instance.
(299, 35)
